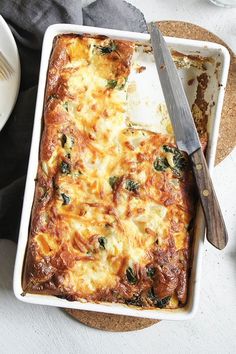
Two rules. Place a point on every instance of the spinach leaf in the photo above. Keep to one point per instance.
(107, 49)
(78, 173)
(180, 162)
(161, 303)
(131, 185)
(160, 164)
(52, 96)
(168, 148)
(151, 272)
(151, 294)
(102, 242)
(136, 300)
(72, 141)
(111, 84)
(63, 140)
(113, 181)
(68, 141)
(44, 196)
(66, 199)
(178, 159)
(65, 167)
(121, 86)
(131, 276)
(54, 184)
(65, 105)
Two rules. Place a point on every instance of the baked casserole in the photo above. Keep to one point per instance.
(114, 204)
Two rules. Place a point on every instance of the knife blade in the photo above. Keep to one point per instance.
(187, 137)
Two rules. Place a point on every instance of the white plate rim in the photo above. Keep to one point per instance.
(16, 76)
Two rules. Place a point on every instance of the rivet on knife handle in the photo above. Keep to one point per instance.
(216, 230)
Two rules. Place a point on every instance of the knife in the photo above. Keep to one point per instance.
(187, 137)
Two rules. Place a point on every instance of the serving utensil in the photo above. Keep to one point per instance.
(6, 70)
(187, 137)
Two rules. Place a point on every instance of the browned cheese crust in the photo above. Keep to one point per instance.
(113, 206)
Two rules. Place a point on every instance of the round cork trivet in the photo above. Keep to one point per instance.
(109, 322)
(226, 142)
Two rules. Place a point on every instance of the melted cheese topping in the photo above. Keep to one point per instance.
(104, 212)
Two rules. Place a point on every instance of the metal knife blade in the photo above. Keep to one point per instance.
(187, 138)
(177, 104)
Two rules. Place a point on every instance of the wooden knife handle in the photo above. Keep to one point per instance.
(216, 230)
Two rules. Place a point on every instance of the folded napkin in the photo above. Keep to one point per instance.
(28, 20)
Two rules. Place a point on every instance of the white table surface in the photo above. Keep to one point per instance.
(36, 329)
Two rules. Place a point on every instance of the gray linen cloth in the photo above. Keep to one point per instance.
(28, 20)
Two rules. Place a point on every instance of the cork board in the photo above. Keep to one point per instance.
(226, 142)
(109, 322)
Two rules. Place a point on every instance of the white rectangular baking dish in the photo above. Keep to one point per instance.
(150, 90)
